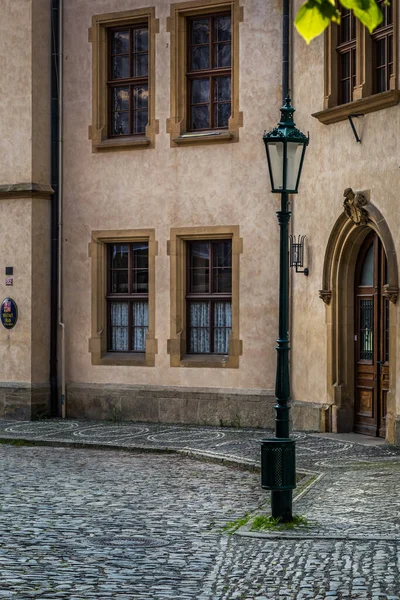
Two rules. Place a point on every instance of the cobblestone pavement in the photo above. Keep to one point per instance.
(81, 523)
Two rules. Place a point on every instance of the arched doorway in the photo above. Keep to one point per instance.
(346, 251)
(371, 337)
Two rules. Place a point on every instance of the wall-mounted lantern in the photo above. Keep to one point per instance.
(296, 253)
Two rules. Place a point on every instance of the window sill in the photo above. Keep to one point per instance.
(204, 137)
(362, 106)
(123, 359)
(122, 144)
(210, 361)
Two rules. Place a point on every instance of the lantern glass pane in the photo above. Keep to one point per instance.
(293, 164)
(275, 152)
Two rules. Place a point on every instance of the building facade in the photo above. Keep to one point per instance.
(169, 243)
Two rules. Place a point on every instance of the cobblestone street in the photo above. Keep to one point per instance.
(80, 523)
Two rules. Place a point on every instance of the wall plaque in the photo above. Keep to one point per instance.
(9, 313)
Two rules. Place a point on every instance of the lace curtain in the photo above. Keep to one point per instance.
(120, 326)
(200, 330)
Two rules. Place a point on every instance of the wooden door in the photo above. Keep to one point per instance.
(371, 339)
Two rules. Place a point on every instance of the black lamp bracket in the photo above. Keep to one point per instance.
(353, 127)
(296, 253)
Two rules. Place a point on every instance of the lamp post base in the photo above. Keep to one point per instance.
(281, 505)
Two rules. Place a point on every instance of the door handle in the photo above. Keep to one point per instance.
(380, 362)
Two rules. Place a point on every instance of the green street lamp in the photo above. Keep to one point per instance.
(285, 146)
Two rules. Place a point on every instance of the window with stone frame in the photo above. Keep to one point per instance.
(128, 85)
(128, 297)
(209, 71)
(346, 51)
(123, 80)
(360, 67)
(209, 296)
(204, 99)
(382, 49)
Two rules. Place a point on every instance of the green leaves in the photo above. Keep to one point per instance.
(367, 11)
(314, 16)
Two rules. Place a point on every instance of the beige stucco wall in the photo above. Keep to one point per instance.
(25, 158)
(334, 161)
(24, 82)
(170, 187)
(25, 245)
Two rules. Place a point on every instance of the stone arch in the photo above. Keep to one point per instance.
(337, 292)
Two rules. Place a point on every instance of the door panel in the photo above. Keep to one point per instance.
(372, 339)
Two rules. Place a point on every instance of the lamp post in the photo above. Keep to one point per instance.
(285, 146)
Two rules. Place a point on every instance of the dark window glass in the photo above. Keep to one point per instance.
(209, 54)
(346, 51)
(209, 292)
(367, 271)
(128, 103)
(382, 49)
(127, 297)
(366, 329)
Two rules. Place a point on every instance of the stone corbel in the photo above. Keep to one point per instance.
(391, 293)
(353, 206)
(326, 296)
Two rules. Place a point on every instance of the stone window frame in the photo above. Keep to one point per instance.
(176, 249)
(98, 341)
(177, 125)
(364, 101)
(99, 130)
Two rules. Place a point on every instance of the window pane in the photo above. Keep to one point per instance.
(222, 55)
(200, 31)
(222, 326)
(222, 263)
(140, 121)
(120, 98)
(140, 281)
(200, 58)
(140, 40)
(200, 117)
(199, 281)
(199, 254)
(222, 88)
(367, 272)
(120, 42)
(345, 29)
(200, 90)
(199, 314)
(119, 256)
(222, 112)
(140, 320)
(222, 254)
(120, 123)
(140, 255)
(222, 28)
(223, 281)
(140, 96)
(141, 65)
(199, 333)
(119, 326)
(119, 282)
(366, 330)
(345, 65)
(120, 67)
(380, 53)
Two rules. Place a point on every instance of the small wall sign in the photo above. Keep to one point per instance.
(9, 313)
(9, 280)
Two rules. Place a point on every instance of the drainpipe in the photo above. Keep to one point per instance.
(55, 180)
(60, 208)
